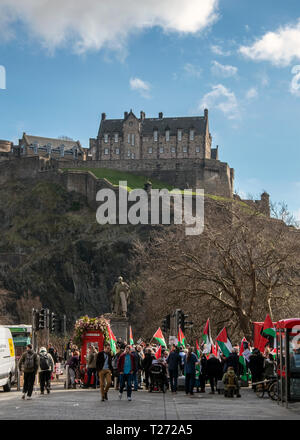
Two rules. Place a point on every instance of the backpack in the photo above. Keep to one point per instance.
(44, 362)
(29, 362)
(231, 380)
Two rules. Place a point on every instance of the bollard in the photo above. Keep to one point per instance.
(18, 380)
(67, 377)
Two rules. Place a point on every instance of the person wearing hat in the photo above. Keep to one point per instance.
(46, 367)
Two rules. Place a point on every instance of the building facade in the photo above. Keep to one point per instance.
(133, 138)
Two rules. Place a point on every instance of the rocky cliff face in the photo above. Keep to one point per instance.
(52, 246)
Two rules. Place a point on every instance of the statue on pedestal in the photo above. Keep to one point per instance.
(120, 298)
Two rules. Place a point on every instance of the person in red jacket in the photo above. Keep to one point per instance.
(126, 367)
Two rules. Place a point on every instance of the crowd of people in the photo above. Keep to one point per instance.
(139, 367)
(133, 365)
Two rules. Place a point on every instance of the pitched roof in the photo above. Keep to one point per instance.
(55, 143)
(148, 125)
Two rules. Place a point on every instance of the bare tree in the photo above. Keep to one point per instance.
(242, 267)
(280, 211)
(24, 306)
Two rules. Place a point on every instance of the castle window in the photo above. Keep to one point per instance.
(106, 138)
(129, 138)
(197, 149)
(161, 150)
(132, 156)
(192, 135)
(184, 149)
(179, 135)
(167, 135)
(150, 150)
(173, 150)
(132, 139)
(155, 135)
(116, 137)
(105, 150)
(128, 153)
(117, 151)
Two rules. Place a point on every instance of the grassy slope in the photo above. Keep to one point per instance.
(134, 181)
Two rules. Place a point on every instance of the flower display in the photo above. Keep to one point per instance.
(85, 324)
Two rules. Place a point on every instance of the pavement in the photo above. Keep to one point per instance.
(82, 404)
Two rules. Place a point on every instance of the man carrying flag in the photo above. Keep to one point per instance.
(158, 335)
(242, 361)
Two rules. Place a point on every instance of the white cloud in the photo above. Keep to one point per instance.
(219, 69)
(252, 93)
(192, 70)
(97, 24)
(216, 49)
(222, 99)
(280, 47)
(141, 86)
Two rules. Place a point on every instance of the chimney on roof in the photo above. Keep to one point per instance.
(103, 116)
(160, 115)
(125, 115)
(206, 113)
(143, 115)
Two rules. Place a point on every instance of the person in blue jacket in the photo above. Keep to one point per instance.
(190, 363)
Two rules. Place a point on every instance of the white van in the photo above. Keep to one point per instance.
(7, 359)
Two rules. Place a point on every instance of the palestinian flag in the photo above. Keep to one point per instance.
(215, 350)
(158, 353)
(268, 329)
(198, 349)
(242, 360)
(160, 338)
(130, 336)
(224, 342)
(181, 338)
(207, 339)
(112, 340)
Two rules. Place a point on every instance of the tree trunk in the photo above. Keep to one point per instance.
(245, 325)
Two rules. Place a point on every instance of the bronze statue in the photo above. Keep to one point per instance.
(120, 298)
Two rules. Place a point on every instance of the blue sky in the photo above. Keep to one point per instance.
(67, 64)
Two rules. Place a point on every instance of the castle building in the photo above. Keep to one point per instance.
(153, 138)
(63, 148)
(177, 151)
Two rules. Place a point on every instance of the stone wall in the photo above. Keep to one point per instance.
(213, 176)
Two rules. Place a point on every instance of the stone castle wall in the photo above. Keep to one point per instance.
(84, 182)
(213, 176)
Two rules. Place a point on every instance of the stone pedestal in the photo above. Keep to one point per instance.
(119, 326)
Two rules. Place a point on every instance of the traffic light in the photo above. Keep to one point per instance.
(42, 319)
(166, 323)
(53, 321)
(36, 319)
(182, 320)
(187, 324)
(178, 318)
